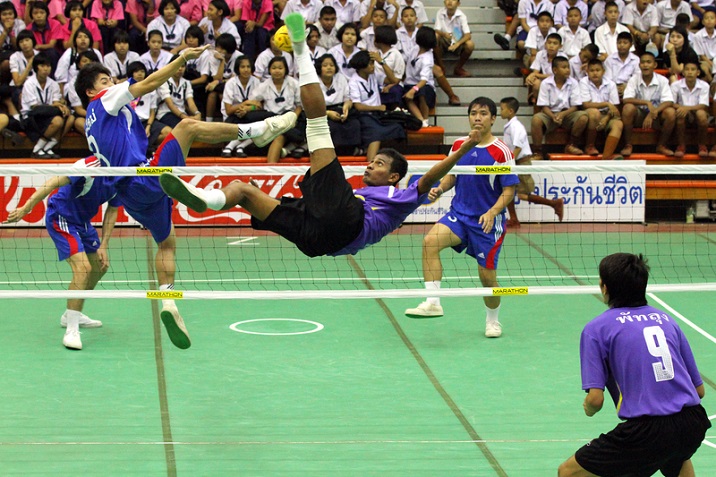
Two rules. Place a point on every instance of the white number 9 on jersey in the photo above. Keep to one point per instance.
(659, 348)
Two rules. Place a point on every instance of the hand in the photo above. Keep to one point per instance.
(487, 220)
(603, 123)
(530, 80)
(435, 193)
(333, 116)
(16, 215)
(669, 47)
(193, 53)
(452, 47)
(147, 130)
(219, 56)
(204, 29)
(111, 23)
(375, 56)
(648, 121)
(103, 258)
(76, 23)
(211, 86)
(410, 94)
(615, 111)
(381, 107)
(249, 27)
(558, 118)
(681, 112)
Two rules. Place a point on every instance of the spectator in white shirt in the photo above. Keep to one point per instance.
(642, 20)
(347, 11)
(328, 27)
(171, 24)
(563, 7)
(691, 101)
(307, 8)
(648, 102)
(623, 64)
(574, 37)
(536, 37)
(705, 43)
(453, 36)
(120, 57)
(389, 66)
(600, 98)
(605, 37)
(419, 8)
(668, 10)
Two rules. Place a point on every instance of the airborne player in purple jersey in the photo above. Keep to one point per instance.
(642, 349)
(330, 218)
(117, 138)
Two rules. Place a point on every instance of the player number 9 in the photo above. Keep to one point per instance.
(659, 348)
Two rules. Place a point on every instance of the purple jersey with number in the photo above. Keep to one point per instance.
(115, 134)
(385, 209)
(647, 354)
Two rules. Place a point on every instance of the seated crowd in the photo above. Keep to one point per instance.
(612, 67)
(378, 62)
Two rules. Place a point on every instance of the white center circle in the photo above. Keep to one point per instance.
(316, 327)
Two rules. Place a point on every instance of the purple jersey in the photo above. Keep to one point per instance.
(115, 134)
(476, 194)
(385, 209)
(78, 201)
(648, 356)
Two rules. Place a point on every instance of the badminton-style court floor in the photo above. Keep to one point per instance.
(318, 387)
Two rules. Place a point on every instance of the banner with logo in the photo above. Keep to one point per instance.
(588, 197)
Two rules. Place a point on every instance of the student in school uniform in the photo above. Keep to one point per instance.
(342, 121)
(67, 65)
(691, 102)
(216, 22)
(261, 70)
(43, 112)
(109, 15)
(120, 57)
(389, 66)
(600, 99)
(237, 107)
(621, 65)
(75, 13)
(156, 57)
(177, 100)
(365, 94)
(348, 37)
(419, 95)
(172, 26)
(146, 108)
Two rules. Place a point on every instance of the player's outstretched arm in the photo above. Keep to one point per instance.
(439, 170)
(43, 191)
(162, 75)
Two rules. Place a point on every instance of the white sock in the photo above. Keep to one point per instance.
(492, 314)
(73, 319)
(167, 303)
(305, 65)
(215, 198)
(232, 144)
(209, 119)
(39, 145)
(507, 36)
(247, 131)
(17, 116)
(245, 143)
(433, 300)
(50, 144)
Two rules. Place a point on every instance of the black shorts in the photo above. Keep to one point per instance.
(326, 219)
(642, 446)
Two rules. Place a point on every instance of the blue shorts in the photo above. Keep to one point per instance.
(485, 248)
(143, 197)
(522, 35)
(70, 238)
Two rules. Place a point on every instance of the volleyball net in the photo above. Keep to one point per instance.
(608, 207)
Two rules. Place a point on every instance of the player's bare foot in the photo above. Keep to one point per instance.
(559, 208)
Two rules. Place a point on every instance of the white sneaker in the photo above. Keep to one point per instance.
(276, 125)
(85, 322)
(425, 310)
(72, 340)
(493, 329)
(187, 194)
(176, 329)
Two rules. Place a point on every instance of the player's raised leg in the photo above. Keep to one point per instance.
(256, 202)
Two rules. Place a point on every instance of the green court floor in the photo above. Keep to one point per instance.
(319, 387)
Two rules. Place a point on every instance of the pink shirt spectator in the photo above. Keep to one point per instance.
(137, 7)
(115, 12)
(191, 10)
(91, 25)
(247, 13)
(52, 31)
(57, 7)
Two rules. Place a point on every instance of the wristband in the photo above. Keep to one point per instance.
(416, 89)
(253, 107)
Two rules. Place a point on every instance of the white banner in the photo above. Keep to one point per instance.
(588, 197)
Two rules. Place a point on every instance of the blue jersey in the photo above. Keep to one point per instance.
(647, 354)
(476, 194)
(115, 134)
(78, 201)
(385, 209)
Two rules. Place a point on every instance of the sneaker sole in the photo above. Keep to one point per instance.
(264, 141)
(175, 188)
(72, 347)
(90, 325)
(296, 26)
(421, 315)
(178, 336)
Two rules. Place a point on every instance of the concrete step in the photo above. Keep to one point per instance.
(496, 93)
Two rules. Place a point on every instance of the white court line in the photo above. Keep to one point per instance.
(683, 318)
